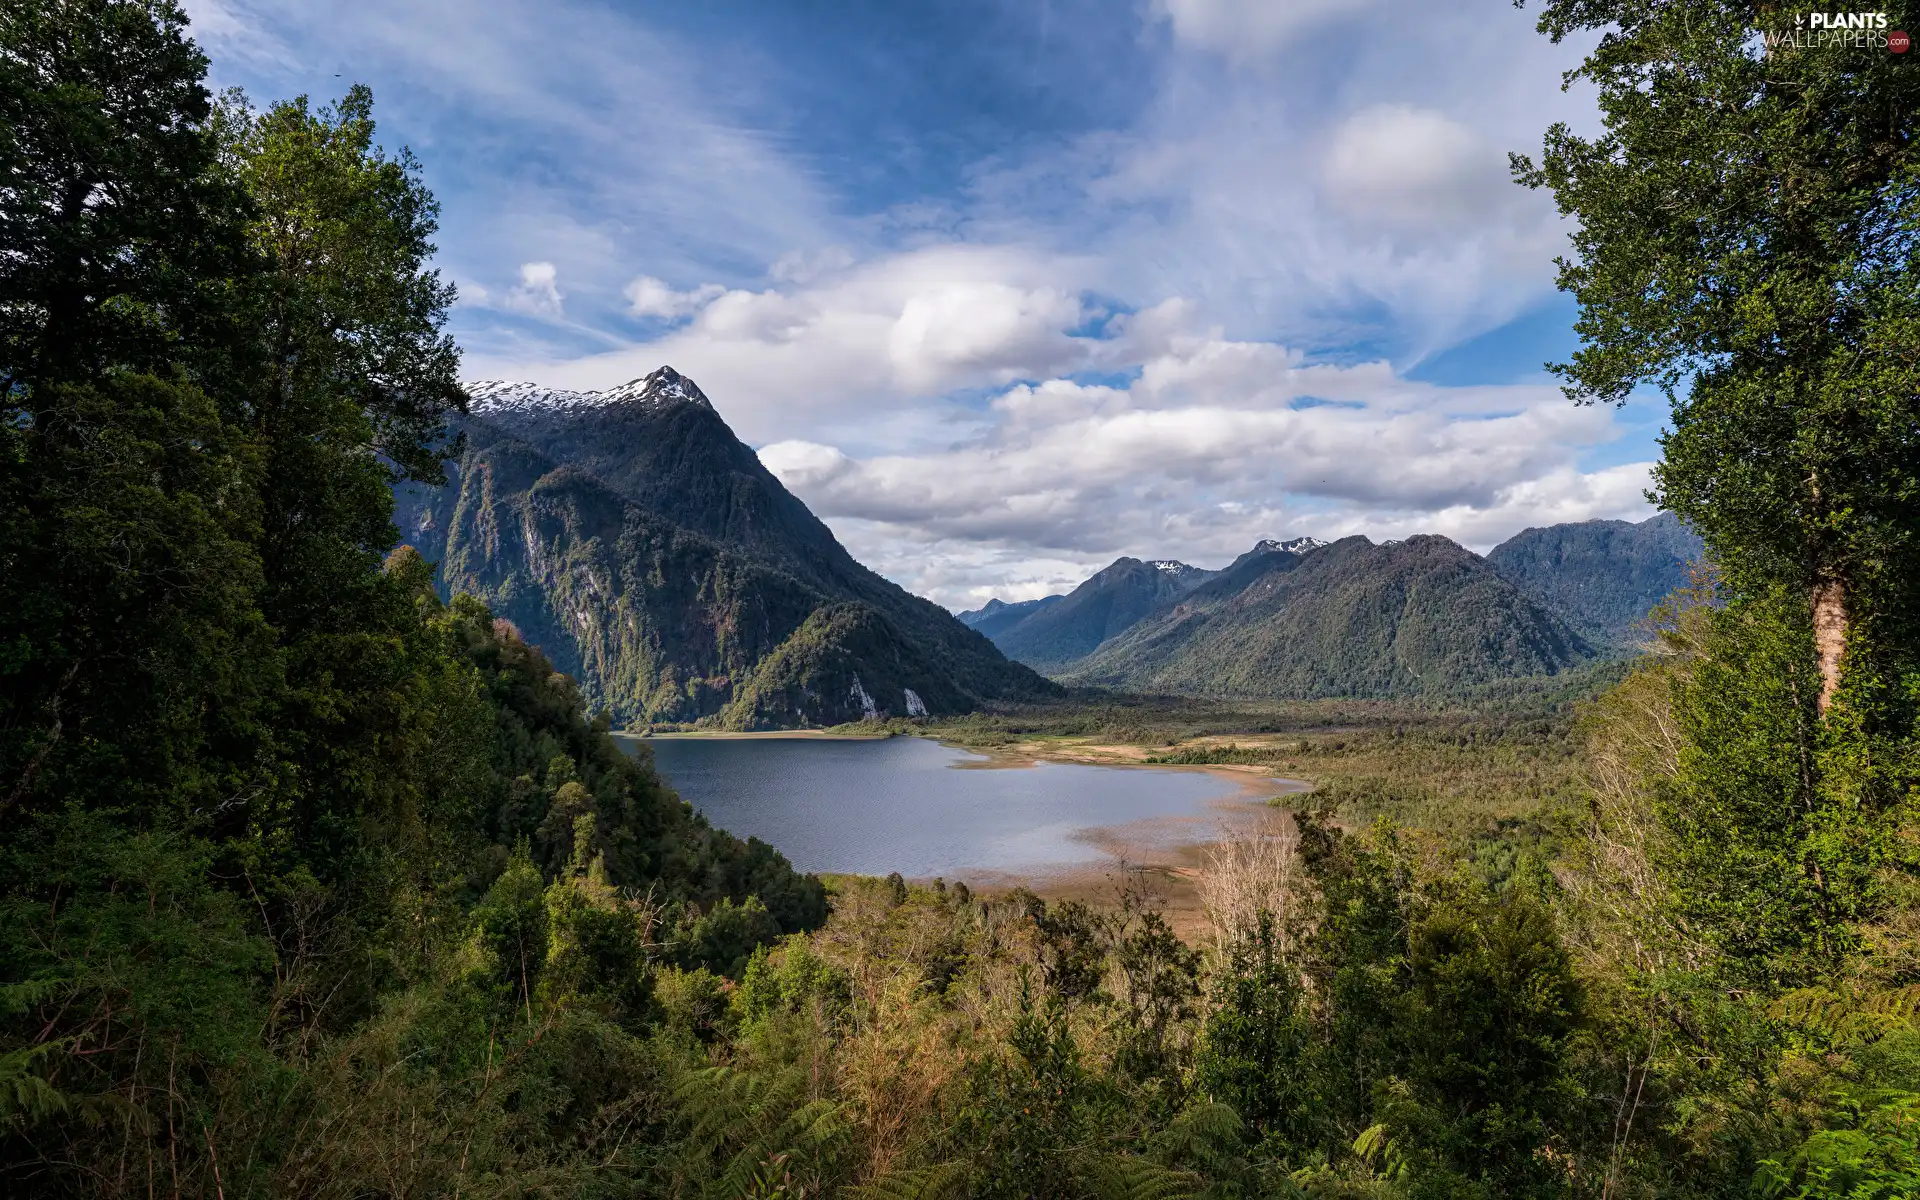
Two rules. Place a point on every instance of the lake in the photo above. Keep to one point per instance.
(924, 809)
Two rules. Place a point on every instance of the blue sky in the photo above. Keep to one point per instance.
(1005, 290)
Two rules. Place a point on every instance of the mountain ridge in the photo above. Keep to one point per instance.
(1352, 618)
(1604, 576)
(1104, 606)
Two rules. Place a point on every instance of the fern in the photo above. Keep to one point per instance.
(752, 1120)
(946, 1181)
(1843, 1018)
(1125, 1177)
(1377, 1145)
(25, 1096)
(1206, 1135)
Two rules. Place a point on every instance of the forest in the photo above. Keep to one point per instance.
(313, 884)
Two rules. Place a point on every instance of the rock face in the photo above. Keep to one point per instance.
(1603, 576)
(647, 551)
(1423, 616)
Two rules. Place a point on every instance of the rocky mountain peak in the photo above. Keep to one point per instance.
(664, 388)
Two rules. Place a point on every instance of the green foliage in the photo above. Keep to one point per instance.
(1257, 1045)
(1037, 1122)
(1746, 240)
(799, 979)
(761, 1128)
(1776, 841)
(511, 926)
(1452, 1011)
(723, 938)
(258, 914)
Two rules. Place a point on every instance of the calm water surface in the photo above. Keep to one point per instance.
(914, 806)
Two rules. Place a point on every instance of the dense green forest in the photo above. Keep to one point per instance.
(315, 885)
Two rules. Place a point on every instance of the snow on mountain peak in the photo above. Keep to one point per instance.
(1170, 566)
(1299, 545)
(501, 397)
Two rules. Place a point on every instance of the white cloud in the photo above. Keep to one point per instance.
(1237, 28)
(900, 330)
(538, 292)
(1414, 168)
(649, 297)
(1301, 179)
(1215, 445)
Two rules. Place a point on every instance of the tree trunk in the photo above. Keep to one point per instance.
(1829, 634)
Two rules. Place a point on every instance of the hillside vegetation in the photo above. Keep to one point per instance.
(1056, 635)
(1604, 577)
(1349, 619)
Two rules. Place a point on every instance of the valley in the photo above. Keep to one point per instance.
(441, 790)
(646, 549)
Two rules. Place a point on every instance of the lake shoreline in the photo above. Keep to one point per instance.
(768, 735)
(1165, 853)
(1252, 779)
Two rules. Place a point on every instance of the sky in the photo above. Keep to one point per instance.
(1006, 289)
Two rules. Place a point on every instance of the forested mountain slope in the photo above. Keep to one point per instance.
(996, 616)
(648, 551)
(1106, 605)
(1602, 576)
(1348, 619)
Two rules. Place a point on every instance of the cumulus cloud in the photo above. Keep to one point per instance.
(1111, 337)
(1147, 433)
(1214, 445)
(899, 328)
(649, 297)
(538, 292)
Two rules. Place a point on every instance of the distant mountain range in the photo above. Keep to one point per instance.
(1048, 634)
(1303, 619)
(647, 551)
(1603, 576)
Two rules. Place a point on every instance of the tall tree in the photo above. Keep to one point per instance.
(345, 383)
(128, 633)
(1748, 236)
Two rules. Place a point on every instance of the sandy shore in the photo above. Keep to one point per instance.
(771, 735)
(1164, 854)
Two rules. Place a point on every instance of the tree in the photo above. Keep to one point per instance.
(119, 230)
(1748, 238)
(128, 633)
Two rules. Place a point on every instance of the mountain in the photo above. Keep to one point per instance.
(1051, 635)
(1299, 545)
(1347, 619)
(997, 615)
(1603, 576)
(640, 544)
